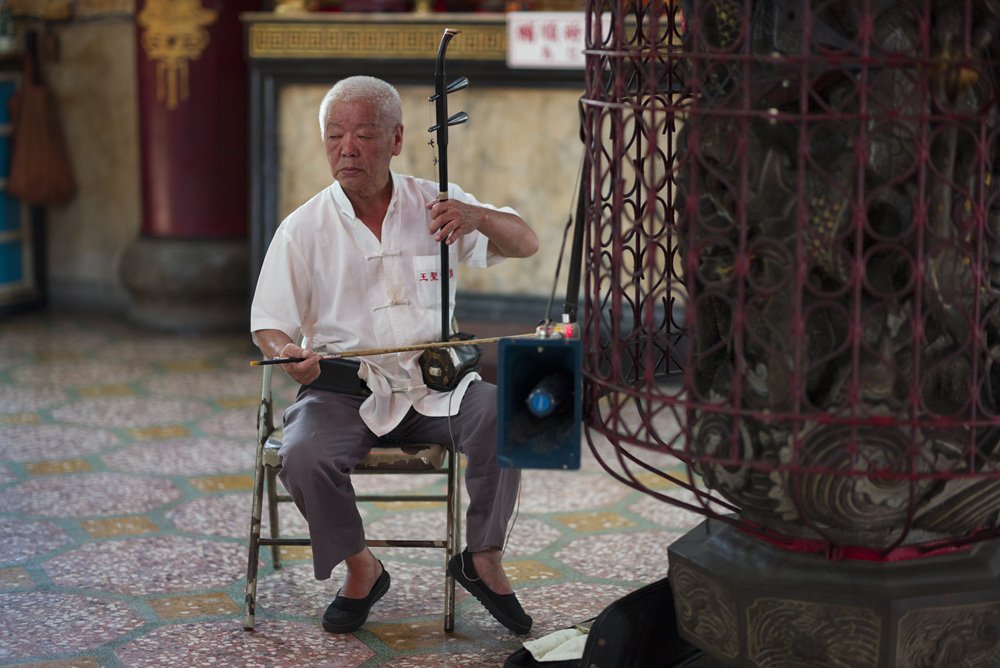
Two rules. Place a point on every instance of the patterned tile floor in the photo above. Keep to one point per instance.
(125, 467)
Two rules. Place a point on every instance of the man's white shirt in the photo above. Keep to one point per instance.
(326, 278)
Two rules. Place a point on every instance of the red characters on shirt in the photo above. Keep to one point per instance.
(432, 276)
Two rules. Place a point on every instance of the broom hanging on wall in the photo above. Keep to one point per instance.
(40, 169)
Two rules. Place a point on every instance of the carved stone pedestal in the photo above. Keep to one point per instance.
(748, 603)
(183, 285)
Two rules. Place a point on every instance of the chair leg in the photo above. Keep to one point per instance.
(253, 557)
(454, 523)
(272, 514)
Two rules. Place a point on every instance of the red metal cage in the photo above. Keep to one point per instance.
(792, 265)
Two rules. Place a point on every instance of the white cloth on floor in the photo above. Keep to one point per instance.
(562, 645)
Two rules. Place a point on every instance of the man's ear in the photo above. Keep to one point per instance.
(397, 139)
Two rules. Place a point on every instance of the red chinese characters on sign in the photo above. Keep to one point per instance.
(545, 40)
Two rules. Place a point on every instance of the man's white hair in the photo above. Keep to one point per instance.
(382, 95)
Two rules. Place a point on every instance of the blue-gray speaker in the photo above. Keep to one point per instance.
(540, 385)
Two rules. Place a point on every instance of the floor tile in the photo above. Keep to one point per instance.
(119, 526)
(15, 578)
(58, 466)
(195, 605)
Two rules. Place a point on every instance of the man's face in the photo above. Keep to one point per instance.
(358, 149)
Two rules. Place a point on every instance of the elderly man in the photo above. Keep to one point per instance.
(356, 267)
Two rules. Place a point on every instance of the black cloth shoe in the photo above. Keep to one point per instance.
(504, 607)
(348, 614)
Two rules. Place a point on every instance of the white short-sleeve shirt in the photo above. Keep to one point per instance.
(325, 276)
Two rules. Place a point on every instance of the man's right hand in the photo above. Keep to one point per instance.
(275, 343)
(305, 372)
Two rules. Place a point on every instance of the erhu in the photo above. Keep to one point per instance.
(444, 366)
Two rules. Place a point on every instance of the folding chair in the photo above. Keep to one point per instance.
(415, 458)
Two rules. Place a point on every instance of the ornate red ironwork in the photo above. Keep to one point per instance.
(792, 265)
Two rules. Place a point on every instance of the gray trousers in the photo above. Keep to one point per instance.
(324, 439)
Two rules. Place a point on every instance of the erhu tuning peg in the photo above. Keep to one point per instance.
(455, 119)
(456, 85)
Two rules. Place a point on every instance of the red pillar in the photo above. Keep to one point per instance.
(192, 118)
(187, 269)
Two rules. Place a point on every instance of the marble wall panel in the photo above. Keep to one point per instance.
(94, 83)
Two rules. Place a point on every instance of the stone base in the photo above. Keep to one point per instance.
(187, 285)
(748, 603)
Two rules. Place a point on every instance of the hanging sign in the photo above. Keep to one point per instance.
(553, 40)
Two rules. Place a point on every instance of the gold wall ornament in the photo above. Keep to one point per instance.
(481, 40)
(174, 35)
(46, 10)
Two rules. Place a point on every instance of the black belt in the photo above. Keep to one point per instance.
(340, 375)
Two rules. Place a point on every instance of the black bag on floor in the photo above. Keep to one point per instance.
(522, 659)
(638, 630)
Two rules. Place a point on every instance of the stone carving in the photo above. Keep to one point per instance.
(811, 635)
(840, 213)
(966, 636)
(705, 610)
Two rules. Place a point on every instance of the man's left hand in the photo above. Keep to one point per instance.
(451, 220)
